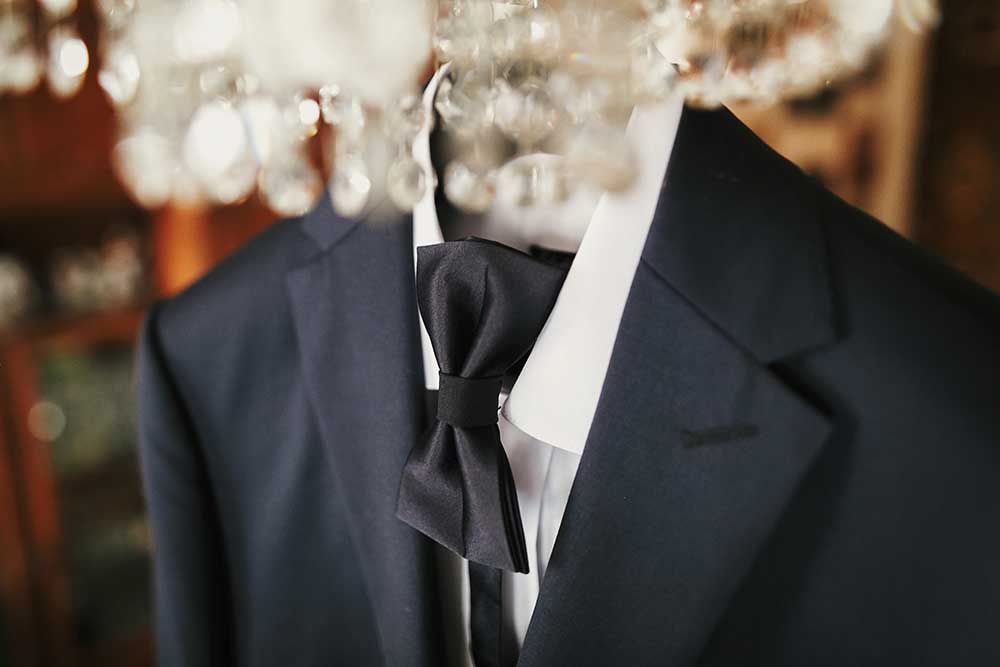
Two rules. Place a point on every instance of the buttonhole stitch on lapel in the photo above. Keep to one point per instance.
(717, 436)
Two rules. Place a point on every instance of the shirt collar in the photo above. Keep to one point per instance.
(556, 394)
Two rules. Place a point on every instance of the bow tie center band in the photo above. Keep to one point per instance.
(468, 402)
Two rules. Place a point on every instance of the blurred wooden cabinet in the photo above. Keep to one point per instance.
(18, 644)
(860, 137)
(74, 545)
(958, 194)
(73, 444)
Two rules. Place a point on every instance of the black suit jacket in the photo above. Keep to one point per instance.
(795, 459)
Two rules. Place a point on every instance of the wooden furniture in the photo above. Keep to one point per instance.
(862, 137)
(187, 242)
(55, 155)
(958, 189)
(74, 550)
(70, 417)
(18, 642)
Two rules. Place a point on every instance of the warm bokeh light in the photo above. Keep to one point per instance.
(73, 57)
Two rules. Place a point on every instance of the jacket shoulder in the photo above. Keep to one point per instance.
(877, 252)
(241, 296)
(918, 338)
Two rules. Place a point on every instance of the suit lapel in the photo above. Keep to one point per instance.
(355, 318)
(697, 446)
(694, 452)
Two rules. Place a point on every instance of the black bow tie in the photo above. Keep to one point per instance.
(483, 305)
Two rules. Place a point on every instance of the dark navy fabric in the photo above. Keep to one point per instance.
(795, 460)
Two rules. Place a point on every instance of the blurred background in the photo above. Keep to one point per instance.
(914, 140)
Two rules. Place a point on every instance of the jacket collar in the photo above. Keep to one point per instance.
(737, 233)
(326, 226)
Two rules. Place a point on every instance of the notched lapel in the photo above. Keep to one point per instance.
(658, 534)
(696, 447)
(355, 317)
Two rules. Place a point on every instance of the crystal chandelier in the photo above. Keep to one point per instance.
(219, 98)
(40, 41)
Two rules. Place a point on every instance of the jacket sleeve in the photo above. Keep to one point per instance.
(192, 608)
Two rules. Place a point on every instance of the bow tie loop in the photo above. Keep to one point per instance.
(468, 402)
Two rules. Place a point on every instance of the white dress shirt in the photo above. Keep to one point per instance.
(545, 420)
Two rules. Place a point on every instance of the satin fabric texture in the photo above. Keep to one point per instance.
(484, 304)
